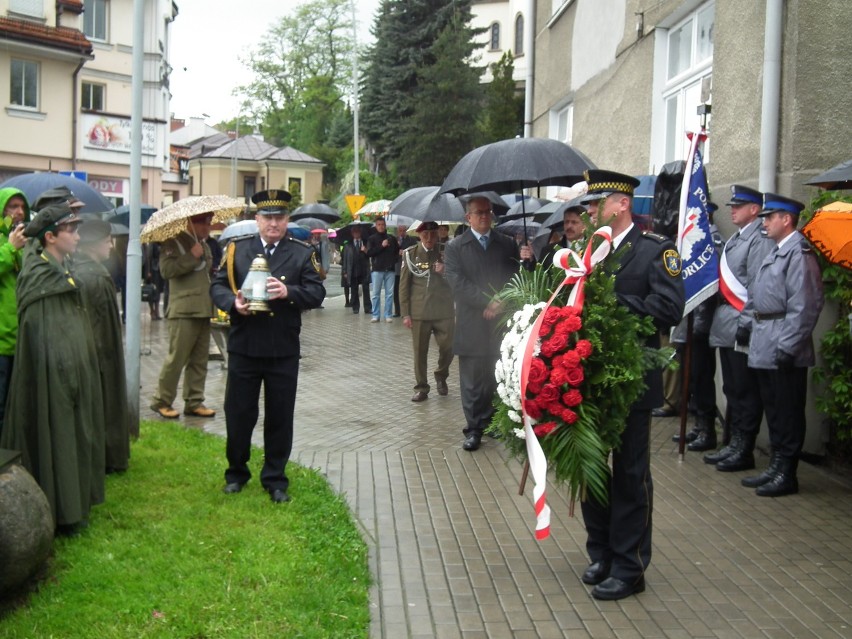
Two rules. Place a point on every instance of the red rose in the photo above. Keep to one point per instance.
(546, 428)
(571, 359)
(558, 343)
(538, 372)
(559, 376)
(532, 409)
(572, 398)
(534, 388)
(547, 349)
(575, 376)
(550, 317)
(569, 311)
(569, 416)
(569, 325)
(583, 348)
(548, 394)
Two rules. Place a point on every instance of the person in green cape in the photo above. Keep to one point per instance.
(99, 299)
(54, 415)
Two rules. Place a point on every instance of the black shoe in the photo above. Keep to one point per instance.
(442, 387)
(719, 455)
(764, 477)
(347, 305)
(397, 315)
(355, 310)
(232, 488)
(472, 442)
(419, 396)
(706, 440)
(739, 460)
(279, 496)
(664, 412)
(784, 482)
(611, 589)
(690, 436)
(596, 573)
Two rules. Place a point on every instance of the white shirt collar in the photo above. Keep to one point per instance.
(616, 241)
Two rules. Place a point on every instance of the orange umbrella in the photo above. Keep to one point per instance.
(830, 231)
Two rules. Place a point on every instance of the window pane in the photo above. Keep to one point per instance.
(87, 95)
(31, 84)
(704, 45)
(16, 86)
(495, 36)
(680, 49)
(33, 8)
(98, 97)
(519, 35)
(94, 19)
(673, 128)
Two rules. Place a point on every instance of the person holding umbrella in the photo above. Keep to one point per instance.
(648, 282)
(477, 264)
(355, 270)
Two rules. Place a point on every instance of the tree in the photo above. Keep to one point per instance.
(302, 69)
(405, 32)
(502, 117)
(448, 97)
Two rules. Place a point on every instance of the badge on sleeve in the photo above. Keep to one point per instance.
(671, 260)
(315, 262)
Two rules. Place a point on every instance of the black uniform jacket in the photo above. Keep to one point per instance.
(274, 334)
(648, 281)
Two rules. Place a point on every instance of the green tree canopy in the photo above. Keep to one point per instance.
(502, 118)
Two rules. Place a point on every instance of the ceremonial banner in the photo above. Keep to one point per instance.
(700, 270)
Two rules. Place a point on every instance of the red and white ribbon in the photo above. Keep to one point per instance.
(731, 288)
(575, 274)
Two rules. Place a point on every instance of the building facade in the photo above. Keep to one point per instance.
(622, 80)
(68, 64)
(504, 29)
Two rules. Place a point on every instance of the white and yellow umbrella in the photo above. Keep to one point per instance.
(168, 222)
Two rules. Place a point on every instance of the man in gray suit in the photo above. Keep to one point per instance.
(785, 299)
(741, 258)
(477, 264)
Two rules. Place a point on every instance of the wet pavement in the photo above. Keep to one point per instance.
(451, 541)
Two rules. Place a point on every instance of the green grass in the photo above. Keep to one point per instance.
(169, 555)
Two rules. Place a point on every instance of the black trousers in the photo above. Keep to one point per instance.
(396, 307)
(702, 371)
(355, 303)
(784, 394)
(619, 532)
(279, 377)
(741, 388)
(477, 385)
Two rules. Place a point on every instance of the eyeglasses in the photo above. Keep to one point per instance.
(480, 213)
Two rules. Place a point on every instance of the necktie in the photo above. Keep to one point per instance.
(269, 248)
(483, 239)
(357, 245)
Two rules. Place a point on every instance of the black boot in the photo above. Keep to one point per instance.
(690, 436)
(723, 453)
(740, 459)
(706, 440)
(784, 482)
(766, 475)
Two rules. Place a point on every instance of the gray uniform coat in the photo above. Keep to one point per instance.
(745, 252)
(788, 283)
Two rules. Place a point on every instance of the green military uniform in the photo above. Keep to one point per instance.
(189, 312)
(55, 413)
(426, 297)
(99, 299)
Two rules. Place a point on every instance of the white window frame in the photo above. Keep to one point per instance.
(97, 11)
(681, 92)
(33, 66)
(32, 8)
(90, 106)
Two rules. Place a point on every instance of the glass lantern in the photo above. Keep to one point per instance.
(254, 286)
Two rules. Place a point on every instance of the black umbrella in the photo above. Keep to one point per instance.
(523, 208)
(516, 164)
(556, 212)
(312, 223)
(838, 177)
(344, 235)
(34, 184)
(121, 215)
(316, 210)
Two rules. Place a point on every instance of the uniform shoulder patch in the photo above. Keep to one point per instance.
(315, 262)
(671, 260)
(655, 236)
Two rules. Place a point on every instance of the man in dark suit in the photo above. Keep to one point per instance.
(356, 270)
(263, 348)
(477, 264)
(648, 282)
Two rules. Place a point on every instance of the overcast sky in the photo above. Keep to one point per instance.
(209, 37)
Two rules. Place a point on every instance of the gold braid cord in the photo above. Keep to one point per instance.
(229, 257)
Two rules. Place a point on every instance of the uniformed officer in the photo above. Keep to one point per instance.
(786, 299)
(263, 348)
(648, 282)
(744, 252)
(426, 302)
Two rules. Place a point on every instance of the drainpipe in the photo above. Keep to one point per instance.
(771, 104)
(75, 105)
(529, 46)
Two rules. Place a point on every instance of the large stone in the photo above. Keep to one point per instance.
(26, 528)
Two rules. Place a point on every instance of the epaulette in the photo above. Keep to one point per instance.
(302, 242)
(656, 236)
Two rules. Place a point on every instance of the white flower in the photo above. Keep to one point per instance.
(519, 433)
